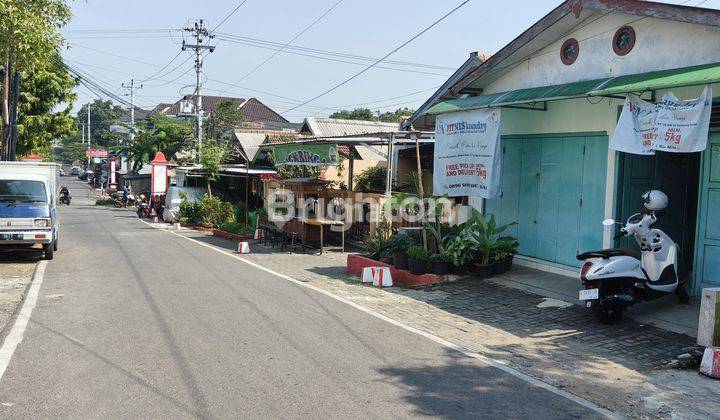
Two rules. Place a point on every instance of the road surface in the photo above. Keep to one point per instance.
(132, 321)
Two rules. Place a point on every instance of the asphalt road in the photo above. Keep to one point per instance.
(135, 322)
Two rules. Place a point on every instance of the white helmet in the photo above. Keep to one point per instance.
(655, 200)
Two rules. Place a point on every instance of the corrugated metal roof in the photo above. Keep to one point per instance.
(329, 127)
(654, 80)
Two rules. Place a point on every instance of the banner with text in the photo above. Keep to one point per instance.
(467, 154)
(671, 125)
(306, 154)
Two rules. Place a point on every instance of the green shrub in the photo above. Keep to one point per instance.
(371, 179)
(234, 227)
(188, 211)
(104, 202)
(213, 211)
(398, 244)
(417, 253)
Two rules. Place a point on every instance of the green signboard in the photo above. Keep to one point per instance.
(306, 154)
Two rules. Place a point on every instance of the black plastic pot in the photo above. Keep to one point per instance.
(400, 261)
(440, 268)
(502, 266)
(417, 267)
(462, 270)
(387, 259)
(483, 270)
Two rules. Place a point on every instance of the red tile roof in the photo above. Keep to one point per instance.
(253, 110)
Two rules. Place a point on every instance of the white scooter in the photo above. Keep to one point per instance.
(614, 279)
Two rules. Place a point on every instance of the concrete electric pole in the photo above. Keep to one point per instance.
(201, 34)
(88, 132)
(131, 87)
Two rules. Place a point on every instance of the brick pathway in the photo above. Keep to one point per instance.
(565, 346)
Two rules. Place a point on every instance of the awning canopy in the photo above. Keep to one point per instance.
(664, 79)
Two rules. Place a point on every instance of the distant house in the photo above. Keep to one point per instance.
(364, 156)
(256, 114)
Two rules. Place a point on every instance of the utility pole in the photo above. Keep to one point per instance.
(88, 132)
(131, 88)
(201, 34)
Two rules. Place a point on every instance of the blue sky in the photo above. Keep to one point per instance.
(114, 41)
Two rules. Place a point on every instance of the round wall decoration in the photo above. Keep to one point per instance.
(624, 40)
(569, 51)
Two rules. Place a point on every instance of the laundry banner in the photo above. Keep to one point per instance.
(671, 125)
(306, 154)
(635, 129)
(682, 126)
(467, 157)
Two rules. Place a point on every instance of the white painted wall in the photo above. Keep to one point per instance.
(660, 45)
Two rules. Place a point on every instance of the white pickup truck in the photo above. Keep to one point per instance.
(28, 206)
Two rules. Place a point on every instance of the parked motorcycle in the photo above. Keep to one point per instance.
(65, 197)
(120, 201)
(615, 279)
(143, 207)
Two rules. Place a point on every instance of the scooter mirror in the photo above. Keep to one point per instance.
(608, 222)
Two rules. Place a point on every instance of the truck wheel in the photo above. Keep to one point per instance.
(55, 244)
(606, 313)
(49, 251)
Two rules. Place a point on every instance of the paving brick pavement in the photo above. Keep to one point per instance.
(565, 346)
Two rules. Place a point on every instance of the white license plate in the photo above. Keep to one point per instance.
(589, 294)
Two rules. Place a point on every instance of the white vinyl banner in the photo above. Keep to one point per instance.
(671, 125)
(635, 128)
(682, 126)
(467, 154)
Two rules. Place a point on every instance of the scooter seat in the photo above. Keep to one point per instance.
(612, 252)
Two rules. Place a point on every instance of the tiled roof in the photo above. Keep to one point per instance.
(328, 127)
(253, 110)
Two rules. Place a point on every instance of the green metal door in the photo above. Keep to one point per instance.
(676, 174)
(554, 187)
(707, 259)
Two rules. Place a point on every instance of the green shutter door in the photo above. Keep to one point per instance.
(554, 187)
(707, 261)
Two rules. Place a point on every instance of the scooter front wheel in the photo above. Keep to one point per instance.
(682, 294)
(606, 312)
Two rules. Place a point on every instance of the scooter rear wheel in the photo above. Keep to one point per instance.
(605, 312)
(682, 294)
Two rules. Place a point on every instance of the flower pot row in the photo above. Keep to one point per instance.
(495, 267)
(418, 267)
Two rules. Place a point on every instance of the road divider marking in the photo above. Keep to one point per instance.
(15, 337)
(498, 364)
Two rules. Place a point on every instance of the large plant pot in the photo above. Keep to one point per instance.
(440, 268)
(400, 261)
(484, 270)
(417, 267)
(502, 266)
(387, 259)
(461, 270)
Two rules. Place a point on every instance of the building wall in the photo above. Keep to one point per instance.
(660, 45)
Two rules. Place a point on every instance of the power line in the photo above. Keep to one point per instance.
(228, 16)
(318, 19)
(332, 59)
(163, 68)
(381, 59)
(265, 43)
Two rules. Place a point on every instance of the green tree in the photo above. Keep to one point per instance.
(212, 157)
(364, 114)
(397, 115)
(223, 122)
(161, 134)
(72, 151)
(42, 89)
(29, 34)
(103, 115)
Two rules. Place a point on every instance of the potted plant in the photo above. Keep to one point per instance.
(377, 245)
(440, 263)
(486, 234)
(503, 255)
(460, 250)
(417, 259)
(398, 245)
